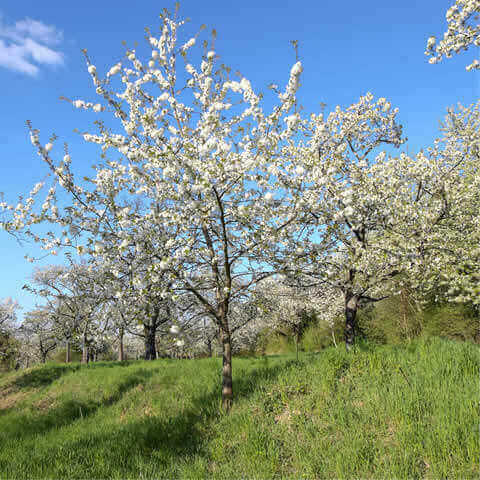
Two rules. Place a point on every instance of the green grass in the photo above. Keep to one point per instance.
(408, 411)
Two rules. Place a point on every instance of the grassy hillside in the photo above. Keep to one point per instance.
(403, 411)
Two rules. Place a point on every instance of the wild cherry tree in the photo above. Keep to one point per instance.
(8, 328)
(448, 255)
(194, 150)
(463, 31)
(74, 290)
(136, 301)
(458, 151)
(289, 306)
(347, 195)
(8, 309)
(40, 327)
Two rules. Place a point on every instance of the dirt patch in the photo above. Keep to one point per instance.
(10, 400)
(287, 416)
(46, 403)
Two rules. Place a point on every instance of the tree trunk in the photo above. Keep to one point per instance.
(150, 349)
(333, 338)
(404, 298)
(44, 357)
(85, 353)
(227, 383)
(351, 306)
(121, 355)
(67, 353)
(296, 346)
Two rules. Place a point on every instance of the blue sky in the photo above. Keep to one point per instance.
(347, 48)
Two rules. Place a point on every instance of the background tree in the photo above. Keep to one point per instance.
(39, 326)
(9, 345)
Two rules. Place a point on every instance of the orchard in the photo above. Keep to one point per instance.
(215, 215)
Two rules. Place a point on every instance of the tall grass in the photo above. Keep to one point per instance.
(384, 412)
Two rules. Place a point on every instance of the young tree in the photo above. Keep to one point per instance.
(195, 149)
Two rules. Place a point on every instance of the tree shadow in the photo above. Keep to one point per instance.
(109, 364)
(23, 425)
(41, 377)
(160, 443)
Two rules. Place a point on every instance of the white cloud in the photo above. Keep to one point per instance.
(29, 44)
(47, 34)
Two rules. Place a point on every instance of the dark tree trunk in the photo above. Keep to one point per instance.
(67, 353)
(150, 348)
(351, 306)
(43, 353)
(121, 355)
(227, 383)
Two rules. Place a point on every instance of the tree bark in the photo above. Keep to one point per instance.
(227, 383)
(85, 353)
(150, 348)
(351, 306)
(121, 355)
(404, 299)
(67, 353)
(333, 338)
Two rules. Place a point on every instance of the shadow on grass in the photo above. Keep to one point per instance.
(47, 374)
(24, 425)
(41, 377)
(160, 444)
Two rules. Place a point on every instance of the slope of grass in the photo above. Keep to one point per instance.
(384, 412)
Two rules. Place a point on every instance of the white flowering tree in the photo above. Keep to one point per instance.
(289, 306)
(449, 253)
(193, 153)
(137, 299)
(8, 316)
(284, 309)
(8, 328)
(456, 243)
(348, 196)
(72, 293)
(40, 327)
(463, 31)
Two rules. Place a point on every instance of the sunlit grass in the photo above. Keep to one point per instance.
(385, 412)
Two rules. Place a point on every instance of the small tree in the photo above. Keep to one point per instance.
(195, 149)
